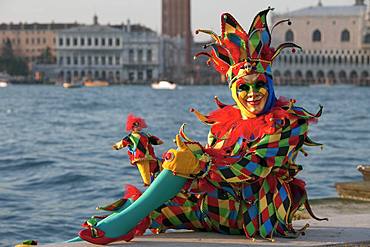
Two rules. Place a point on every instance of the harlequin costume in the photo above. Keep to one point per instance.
(244, 180)
(139, 148)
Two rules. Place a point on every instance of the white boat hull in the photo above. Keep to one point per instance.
(164, 85)
(3, 84)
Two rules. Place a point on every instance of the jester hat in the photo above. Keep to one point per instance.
(133, 121)
(237, 53)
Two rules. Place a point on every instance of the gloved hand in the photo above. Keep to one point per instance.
(115, 147)
(181, 161)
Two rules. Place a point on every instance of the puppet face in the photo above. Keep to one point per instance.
(250, 93)
(136, 127)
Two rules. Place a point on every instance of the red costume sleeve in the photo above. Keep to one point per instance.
(154, 140)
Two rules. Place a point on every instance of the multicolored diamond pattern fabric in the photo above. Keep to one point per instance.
(256, 195)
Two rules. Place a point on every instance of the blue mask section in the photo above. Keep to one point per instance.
(271, 98)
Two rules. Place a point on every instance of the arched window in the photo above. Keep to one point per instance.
(289, 36)
(331, 74)
(320, 74)
(353, 75)
(309, 75)
(367, 38)
(110, 75)
(277, 73)
(342, 76)
(316, 36)
(288, 74)
(345, 37)
(118, 75)
(69, 76)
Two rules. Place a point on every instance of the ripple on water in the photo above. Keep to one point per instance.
(22, 164)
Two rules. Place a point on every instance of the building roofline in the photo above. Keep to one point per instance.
(331, 10)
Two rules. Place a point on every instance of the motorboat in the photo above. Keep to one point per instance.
(4, 79)
(164, 85)
(96, 83)
(3, 83)
(71, 85)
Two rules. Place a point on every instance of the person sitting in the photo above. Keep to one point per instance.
(244, 180)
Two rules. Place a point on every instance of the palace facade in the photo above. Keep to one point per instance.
(335, 43)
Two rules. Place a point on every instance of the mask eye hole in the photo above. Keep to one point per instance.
(243, 87)
(260, 84)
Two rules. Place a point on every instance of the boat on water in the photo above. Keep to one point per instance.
(4, 79)
(164, 85)
(71, 85)
(358, 190)
(96, 83)
(3, 83)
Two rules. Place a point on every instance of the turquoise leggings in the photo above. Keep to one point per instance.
(163, 188)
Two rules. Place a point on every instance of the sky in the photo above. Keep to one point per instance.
(205, 13)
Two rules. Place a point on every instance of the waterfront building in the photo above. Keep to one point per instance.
(117, 53)
(29, 40)
(335, 42)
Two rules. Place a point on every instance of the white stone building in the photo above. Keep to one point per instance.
(116, 53)
(335, 42)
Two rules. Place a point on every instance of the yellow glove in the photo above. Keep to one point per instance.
(181, 161)
(118, 146)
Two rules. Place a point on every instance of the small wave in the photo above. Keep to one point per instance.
(61, 179)
(25, 163)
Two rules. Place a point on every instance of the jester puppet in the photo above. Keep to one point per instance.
(243, 181)
(140, 149)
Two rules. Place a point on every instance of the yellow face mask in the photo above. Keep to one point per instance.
(250, 94)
